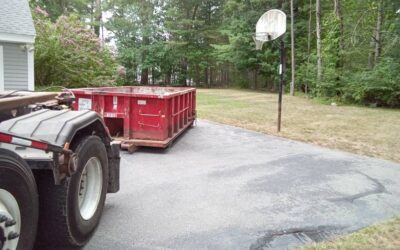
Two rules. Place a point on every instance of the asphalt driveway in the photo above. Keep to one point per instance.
(221, 187)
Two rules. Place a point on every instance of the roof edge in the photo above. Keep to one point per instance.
(16, 38)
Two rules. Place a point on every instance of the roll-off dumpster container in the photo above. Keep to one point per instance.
(141, 115)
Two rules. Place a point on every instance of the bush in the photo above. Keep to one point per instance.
(69, 54)
(379, 86)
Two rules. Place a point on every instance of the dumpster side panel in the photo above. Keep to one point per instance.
(149, 119)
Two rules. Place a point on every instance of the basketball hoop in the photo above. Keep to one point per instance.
(259, 43)
(260, 38)
(271, 25)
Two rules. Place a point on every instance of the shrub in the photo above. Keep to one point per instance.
(68, 53)
(379, 86)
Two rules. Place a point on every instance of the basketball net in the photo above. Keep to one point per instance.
(259, 44)
(260, 38)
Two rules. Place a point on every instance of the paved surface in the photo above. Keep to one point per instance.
(220, 187)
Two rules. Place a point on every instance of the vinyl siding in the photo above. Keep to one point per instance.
(15, 60)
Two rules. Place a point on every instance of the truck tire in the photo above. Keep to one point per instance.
(19, 203)
(70, 212)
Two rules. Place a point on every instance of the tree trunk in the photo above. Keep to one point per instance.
(255, 72)
(375, 44)
(144, 76)
(292, 47)
(378, 35)
(250, 78)
(308, 45)
(92, 13)
(144, 79)
(206, 80)
(318, 33)
(207, 76)
(168, 78)
(371, 51)
(197, 75)
(225, 75)
(339, 16)
(228, 71)
(280, 4)
(97, 18)
(153, 76)
(184, 72)
(64, 9)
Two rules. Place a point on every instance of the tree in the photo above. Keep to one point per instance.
(238, 25)
(209, 43)
(292, 47)
(84, 9)
(375, 43)
(97, 16)
(193, 28)
(55, 9)
(136, 25)
(339, 16)
(69, 54)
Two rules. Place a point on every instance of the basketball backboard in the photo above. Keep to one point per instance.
(270, 26)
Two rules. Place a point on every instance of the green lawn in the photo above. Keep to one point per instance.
(381, 236)
(368, 131)
(362, 130)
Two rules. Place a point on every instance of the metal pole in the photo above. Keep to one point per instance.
(281, 82)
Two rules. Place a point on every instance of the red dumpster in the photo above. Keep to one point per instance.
(139, 115)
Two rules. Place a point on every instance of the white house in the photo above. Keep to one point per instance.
(17, 36)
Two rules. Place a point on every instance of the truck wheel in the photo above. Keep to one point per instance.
(70, 212)
(18, 203)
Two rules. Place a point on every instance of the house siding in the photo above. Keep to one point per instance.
(15, 63)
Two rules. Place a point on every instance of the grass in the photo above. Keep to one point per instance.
(368, 131)
(381, 236)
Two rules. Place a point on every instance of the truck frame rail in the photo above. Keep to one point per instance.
(63, 157)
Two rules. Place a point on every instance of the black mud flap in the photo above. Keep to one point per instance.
(113, 165)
